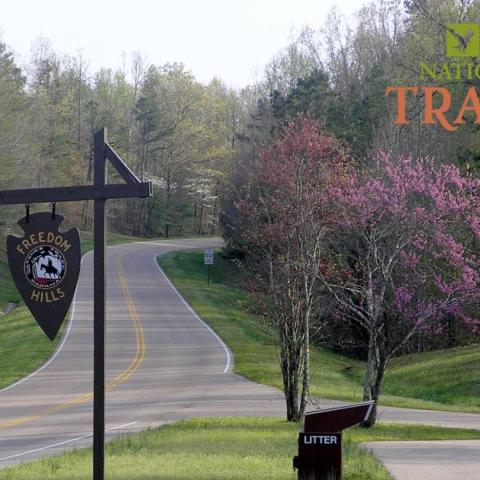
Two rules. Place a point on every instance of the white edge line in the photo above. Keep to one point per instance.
(121, 426)
(59, 444)
(228, 353)
(59, 348)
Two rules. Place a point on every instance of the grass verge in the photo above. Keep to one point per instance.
(8, 292)
(220, 449)
(441, 380)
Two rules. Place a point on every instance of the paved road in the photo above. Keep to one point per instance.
(163, 364)
(440, 460)
(430, 460)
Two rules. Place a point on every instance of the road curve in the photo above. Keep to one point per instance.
(163, 363)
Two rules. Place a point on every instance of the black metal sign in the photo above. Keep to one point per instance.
(45, 264)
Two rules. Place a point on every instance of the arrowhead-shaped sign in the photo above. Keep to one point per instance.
(45, 265)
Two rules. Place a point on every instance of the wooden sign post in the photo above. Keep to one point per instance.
(99, 192)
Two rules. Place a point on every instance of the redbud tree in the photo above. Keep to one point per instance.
(285, 217)
(403, 255)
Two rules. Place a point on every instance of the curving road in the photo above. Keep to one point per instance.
(163, 364)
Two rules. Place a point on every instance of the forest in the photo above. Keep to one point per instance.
(362, 231)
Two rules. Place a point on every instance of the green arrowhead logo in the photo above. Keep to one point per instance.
(463, 40)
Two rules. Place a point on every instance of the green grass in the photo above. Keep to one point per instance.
(449, 377)
(24, 346)
(8, 292)
(447, 380)
(221, 449)
(440, 380)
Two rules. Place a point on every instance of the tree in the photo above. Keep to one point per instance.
(285, 215)
(295, 61)
(404, 257)
(13, 128)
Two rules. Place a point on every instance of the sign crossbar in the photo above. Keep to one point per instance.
(75, 194)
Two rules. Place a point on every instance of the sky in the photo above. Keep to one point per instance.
(232, 40)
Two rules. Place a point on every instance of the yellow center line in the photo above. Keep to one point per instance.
(122, 377)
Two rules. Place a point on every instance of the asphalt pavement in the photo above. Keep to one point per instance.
(433, 460)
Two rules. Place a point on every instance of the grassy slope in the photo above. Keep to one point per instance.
(8, 292)
(220, 449)
(24, 347)
(442, 380)
(450, 377)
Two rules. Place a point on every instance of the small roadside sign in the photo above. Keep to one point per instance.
(208, 256)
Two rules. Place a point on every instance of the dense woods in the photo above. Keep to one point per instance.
(169, 128)
(357, 233)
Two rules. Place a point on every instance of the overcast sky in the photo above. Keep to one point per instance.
(229, 39)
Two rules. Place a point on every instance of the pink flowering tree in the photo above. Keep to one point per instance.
(285, 217)
(404, 255)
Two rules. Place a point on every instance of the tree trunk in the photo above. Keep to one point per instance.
(376, 365)
(451, 331)
(290, 373)
(306, 369)
(215, 213)
(167, 209)
(200, 220)
(291, 397)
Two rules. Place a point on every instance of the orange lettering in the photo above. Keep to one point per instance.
(472, 97)
(438, 112)
(401, 102)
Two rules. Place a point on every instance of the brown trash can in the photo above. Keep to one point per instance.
(320, 442)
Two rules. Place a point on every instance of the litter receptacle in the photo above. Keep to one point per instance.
(320, 442)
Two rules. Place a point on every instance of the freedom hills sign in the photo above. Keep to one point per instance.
(45, 265)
